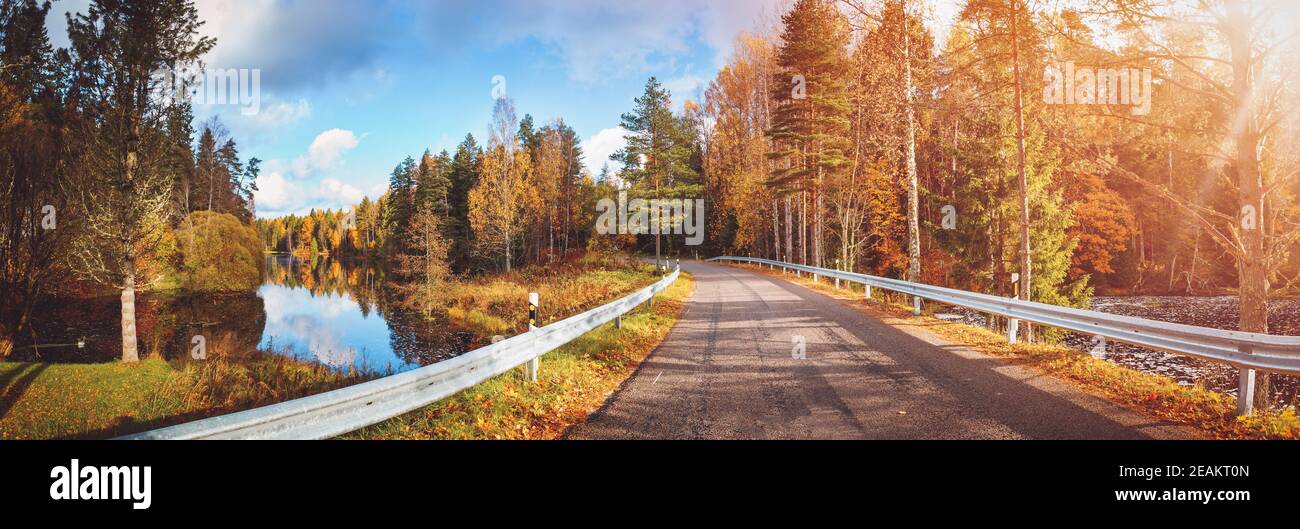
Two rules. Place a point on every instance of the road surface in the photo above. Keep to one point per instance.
(726, 371)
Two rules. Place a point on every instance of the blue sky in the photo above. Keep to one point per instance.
(350, 87)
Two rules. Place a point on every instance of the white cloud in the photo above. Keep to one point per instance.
(281, 113)
(685, 87)
(345, 192)
(272, 191)
(277, 194)
(326, 152)
(596, 149)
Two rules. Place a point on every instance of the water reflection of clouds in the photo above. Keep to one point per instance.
(330, 328)
(323, 341)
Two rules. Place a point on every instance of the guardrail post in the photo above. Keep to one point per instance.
(1013, 327)
(1245, 388)
(531, 366)
(868, 289)
(916, 305)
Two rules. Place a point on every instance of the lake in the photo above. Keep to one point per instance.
(337, 313)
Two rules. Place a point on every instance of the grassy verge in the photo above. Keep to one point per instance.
(572, 382)
(498, 303)
(1158, 396)
(95, 401)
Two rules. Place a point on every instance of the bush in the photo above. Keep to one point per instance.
(216, 252)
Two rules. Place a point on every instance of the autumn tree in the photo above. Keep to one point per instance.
(892, 67)
(499, 203)
(1232, 58)
(743, 214)
(991, 127)
(36, 222)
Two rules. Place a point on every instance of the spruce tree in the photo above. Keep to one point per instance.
(811, 122)
(464, 176)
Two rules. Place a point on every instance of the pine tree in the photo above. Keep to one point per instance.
(432, 185)
(811, 122)
(397, 217)
(658, 154)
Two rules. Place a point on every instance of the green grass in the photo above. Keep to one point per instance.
(1161, 397)
(572, 382)
(95, 401)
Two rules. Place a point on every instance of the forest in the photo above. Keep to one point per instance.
(1098, 146)
(107, 186)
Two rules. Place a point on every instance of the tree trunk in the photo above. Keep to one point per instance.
(1252, 268)
(658, 227)
(776, 229)
(1026, 289)
(817, 223)
(130, 353)
(789, 231)
(913, 195)
(803, 228)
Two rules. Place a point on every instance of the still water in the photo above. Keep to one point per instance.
(340, 314)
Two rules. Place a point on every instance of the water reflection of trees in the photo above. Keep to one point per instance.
(360, 280)
(415, 338)
(229, 323)
(166, 325)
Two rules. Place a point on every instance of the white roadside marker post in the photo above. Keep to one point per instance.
(531, 368)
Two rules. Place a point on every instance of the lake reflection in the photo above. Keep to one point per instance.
(343, 315)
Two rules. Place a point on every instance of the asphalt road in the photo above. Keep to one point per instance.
(726, 371)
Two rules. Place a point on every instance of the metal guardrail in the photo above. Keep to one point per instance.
(1245, 350)
(341, 411)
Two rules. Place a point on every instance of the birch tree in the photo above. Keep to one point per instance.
(118, 47)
